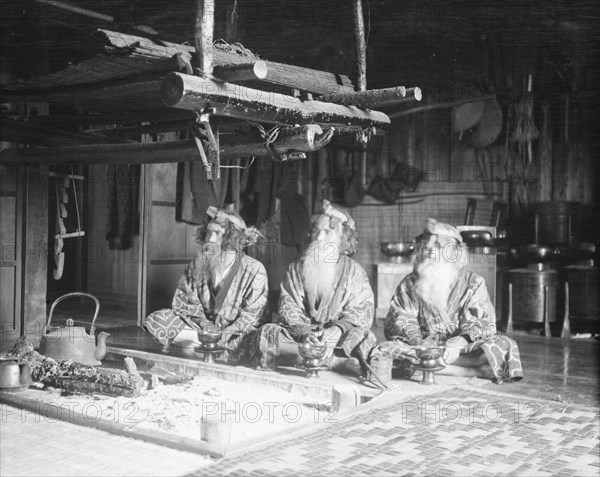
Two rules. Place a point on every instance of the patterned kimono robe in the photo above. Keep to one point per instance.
(237, 305)
(471, 315)
(349, 306)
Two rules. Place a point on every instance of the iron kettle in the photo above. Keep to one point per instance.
(73, 342)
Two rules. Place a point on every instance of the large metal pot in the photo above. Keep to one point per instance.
(73, 342)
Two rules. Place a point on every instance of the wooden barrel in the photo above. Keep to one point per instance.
(528, 294)
(556, 222)
(584, 299)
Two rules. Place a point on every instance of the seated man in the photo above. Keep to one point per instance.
(442, 303)
(222, 287)
(325, 297)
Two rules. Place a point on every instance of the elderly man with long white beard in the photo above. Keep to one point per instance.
(443, 303)
(325, 298)
(222, 287)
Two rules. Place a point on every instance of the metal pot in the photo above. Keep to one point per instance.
(73, 342)
(397, 249)
(534, 252)
(481, 238)
(13, 375)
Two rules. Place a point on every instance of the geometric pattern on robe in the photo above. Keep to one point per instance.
(350, 306)
(470, 314)
(237, 306)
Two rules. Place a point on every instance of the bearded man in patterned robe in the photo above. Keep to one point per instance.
(222, 288)
(325, 298)
(443, 303)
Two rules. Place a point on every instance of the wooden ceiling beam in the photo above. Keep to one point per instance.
(129, 118)
(230, 146)
(27, 133)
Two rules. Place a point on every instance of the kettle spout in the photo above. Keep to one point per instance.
(100, 351)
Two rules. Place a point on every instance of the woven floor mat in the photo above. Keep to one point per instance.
(459, 431)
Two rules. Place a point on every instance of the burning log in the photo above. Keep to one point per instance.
(75, 377)
(196, 93)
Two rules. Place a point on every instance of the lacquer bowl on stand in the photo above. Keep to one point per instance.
(209, 345)
(430, 362)
(312, 356)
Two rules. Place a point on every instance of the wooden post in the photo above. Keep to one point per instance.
(509, 321)
(235, 184)
(205, 24)
(361, 63)
(309, 183)
(545, 157)
(547, 332)
(361, 46)
(34, 274)
(566, 329)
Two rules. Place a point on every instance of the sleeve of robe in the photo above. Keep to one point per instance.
(477, 317)
(292, 313)
(359, 309)
(185, 299)
(402, 318)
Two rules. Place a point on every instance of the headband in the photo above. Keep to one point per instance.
(331, 211)
(251, 234)
(220, 214)
(437, 228)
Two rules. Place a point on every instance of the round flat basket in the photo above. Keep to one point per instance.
(488, 128)
(467, 115)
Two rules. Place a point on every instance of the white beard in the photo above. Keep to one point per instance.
(435, 282)
(212, 262)
(318, 270)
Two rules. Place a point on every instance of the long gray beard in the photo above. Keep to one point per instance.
(211, 262)
(435, 282)
(318, 272)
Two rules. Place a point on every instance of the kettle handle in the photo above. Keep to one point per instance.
(68, 295)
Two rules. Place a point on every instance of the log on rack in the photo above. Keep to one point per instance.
(196, 93)
(375, 98)
(243, 72)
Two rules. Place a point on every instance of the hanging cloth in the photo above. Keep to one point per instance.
(124, 208)
(196, 193)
